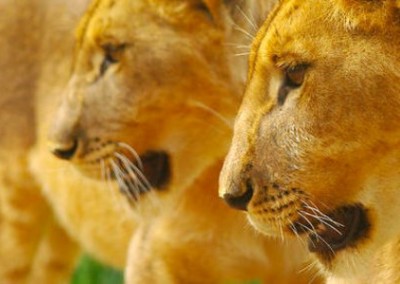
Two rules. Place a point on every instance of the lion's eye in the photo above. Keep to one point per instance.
(110, 56)
(107, 61)
(293, 78)
(295, 75)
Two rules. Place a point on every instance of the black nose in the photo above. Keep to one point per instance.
(66, 151)
(240, 201)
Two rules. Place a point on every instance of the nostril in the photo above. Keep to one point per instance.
(65, 152)
(240, 201)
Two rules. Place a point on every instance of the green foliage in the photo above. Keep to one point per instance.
(91, 272)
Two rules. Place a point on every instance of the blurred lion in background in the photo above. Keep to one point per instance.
(33, 248)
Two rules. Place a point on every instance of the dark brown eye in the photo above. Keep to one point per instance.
(295, 75)
(107, 62)
(111, 53)
(293, 79)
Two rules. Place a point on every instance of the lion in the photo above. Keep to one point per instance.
(30, 250)
(145, 122)
(315, 148)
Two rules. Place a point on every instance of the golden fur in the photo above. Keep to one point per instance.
(318, 134)
(30, 250)
(157, 76)
(34, 248)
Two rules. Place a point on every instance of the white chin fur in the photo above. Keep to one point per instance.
(266, 230)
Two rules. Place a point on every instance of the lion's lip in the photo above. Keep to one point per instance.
(350, 224)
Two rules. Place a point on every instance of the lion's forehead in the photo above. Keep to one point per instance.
(307, 27)
(296, 29)
(104, 16)
(109, 20)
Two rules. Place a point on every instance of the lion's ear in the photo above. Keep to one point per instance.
(369, 15)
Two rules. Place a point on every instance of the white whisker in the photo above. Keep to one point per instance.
(314, 233)
(308, 230)
(317, 208)
(315, 275)
(144, 181)
(212, 111)
(307, 267)
(132, 184)
(325, 242)
(293, 227)
(246, 33)
(318, 212)
(252, 19)
(242, 54)
(133, 152)
(252, 24)
(119, 176)
(138, 184)
(313, 230)
(322, 221)
(141, 178)
(308, 221)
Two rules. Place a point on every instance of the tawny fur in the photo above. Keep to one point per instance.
(334, 140)
(96, 217)
(174, 88)
(33, 248)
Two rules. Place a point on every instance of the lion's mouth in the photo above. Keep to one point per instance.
(350, 224)
(156, 168)
(153, 172)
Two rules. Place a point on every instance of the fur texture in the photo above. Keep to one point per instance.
(141, 100)
(319, 130)
(33, 248)
(155, 76)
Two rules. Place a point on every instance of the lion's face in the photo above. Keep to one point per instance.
(316, 147)
(150, 92)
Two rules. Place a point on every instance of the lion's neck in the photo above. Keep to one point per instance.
(388, 263)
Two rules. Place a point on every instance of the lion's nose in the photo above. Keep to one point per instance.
(239, 199)
(65, 151)
(65, 133)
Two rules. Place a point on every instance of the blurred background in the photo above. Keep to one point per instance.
(91, 272)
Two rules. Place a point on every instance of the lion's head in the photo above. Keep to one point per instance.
(149, 94)
(316, 147)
